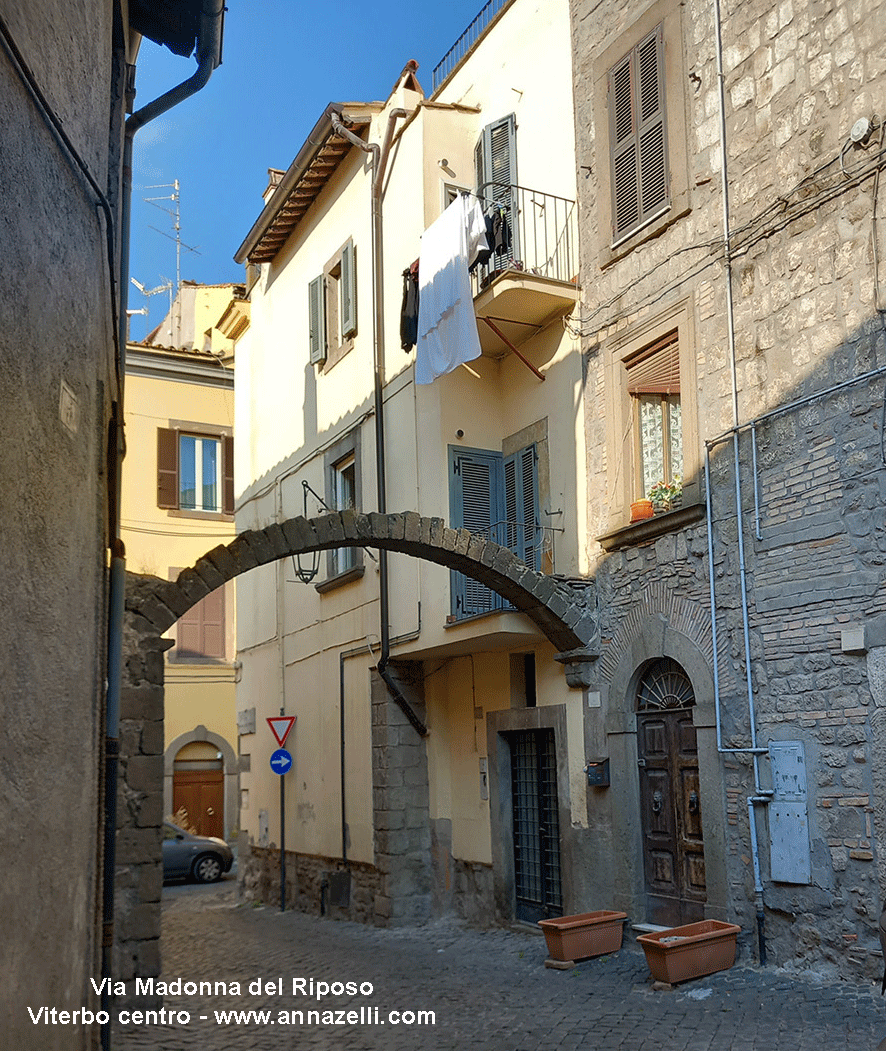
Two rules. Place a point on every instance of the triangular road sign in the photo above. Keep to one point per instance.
(280, 726)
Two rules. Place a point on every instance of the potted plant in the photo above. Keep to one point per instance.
(585, 934)
(691, 951)
(666, 496)
(641, 510)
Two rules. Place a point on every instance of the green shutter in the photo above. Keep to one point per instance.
(348, 283)
(495, 161)
(317, 320)
(474, 496)
(521, 532)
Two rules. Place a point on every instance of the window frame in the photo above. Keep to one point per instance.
(624, 481)
(169, 468)
(347, 450)
(667, 15)
(332, 308)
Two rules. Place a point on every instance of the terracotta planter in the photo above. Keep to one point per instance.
(586, 934)
(697, 949)
(641, 509)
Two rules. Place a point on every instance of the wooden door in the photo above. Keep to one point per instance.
(670, 807)
(201, 794)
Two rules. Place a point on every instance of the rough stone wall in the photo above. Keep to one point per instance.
(307, 883)
(798, 75)
(401, 801)
(56, 386)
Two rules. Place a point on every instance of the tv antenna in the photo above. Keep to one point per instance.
(174, 213)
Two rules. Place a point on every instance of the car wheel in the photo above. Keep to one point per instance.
(207, 868)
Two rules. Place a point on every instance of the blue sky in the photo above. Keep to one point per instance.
(283, 62)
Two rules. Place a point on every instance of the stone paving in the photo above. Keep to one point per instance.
(488, 990)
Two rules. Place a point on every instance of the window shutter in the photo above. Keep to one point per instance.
(655, 369)
(474, 485)
(201, 631)
(521, 531)
(167, 468)
(317, 320)
(348, 283)
(637, 136)
(495, 160)
(228, 475)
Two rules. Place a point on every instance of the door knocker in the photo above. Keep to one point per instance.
(657, 801)
(693, 802)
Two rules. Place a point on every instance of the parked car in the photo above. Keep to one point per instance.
(203, 858)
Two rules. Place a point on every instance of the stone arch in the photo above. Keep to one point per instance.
(229, 765)
(560, 612)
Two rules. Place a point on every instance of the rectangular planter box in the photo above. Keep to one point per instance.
(585, 934)
(697, 949)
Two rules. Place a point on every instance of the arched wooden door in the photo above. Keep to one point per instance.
(198, 789)
(670, 801)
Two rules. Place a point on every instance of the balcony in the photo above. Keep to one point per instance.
(530, 280)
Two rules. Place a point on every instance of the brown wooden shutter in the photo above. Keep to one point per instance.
(638, 136)
(167, 468)
(201, 631)
(655, 369)
(228, 475)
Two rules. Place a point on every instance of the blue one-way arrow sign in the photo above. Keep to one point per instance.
(281, 761)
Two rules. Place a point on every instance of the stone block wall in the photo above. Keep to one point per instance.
(806, 294)
(139, 878)
(401, 800)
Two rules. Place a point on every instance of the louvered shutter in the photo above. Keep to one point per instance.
(228, 475)
(201, 631)
(521, 531)
(475, 482)
(495, 159)
(317, 320)
(348, 283)
(637, 136)
(167, 468)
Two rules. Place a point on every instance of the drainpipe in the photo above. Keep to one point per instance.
(379, 163)
(761, 795)
(209, 36)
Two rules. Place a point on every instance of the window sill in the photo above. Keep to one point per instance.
(349, 575)
(651, 528)
(208, 516)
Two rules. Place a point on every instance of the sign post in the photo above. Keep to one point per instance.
(281, 763)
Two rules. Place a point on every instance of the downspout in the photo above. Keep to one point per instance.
(209, 36)
(760, 795)
(379, 163)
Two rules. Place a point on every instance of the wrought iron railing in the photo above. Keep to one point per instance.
(539, 234)
(465, 42)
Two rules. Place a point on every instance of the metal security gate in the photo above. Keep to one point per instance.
(536, 825)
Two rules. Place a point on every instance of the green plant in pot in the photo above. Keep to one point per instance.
(665, 496)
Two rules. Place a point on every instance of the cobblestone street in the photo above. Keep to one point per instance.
(488, 990)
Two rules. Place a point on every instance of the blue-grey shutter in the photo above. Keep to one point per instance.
(637, 136)
(474, 488)
(317, 320)
(348, 283)
(521, 532)
(495, 159)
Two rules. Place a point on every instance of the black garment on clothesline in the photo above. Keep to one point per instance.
(409, 308)
(498, 237)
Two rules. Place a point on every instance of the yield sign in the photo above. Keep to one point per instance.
(280, 726)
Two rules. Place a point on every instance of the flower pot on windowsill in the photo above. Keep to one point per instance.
(641, 510)
(691, 951)
(585, 934)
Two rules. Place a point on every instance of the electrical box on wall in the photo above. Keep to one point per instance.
(598, 773)
(789, 853)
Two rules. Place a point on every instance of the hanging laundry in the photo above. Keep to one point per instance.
(409, 308)
(447, 325)
(498, 237)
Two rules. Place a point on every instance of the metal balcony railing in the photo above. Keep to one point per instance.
(465, 42)
(539, 234)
